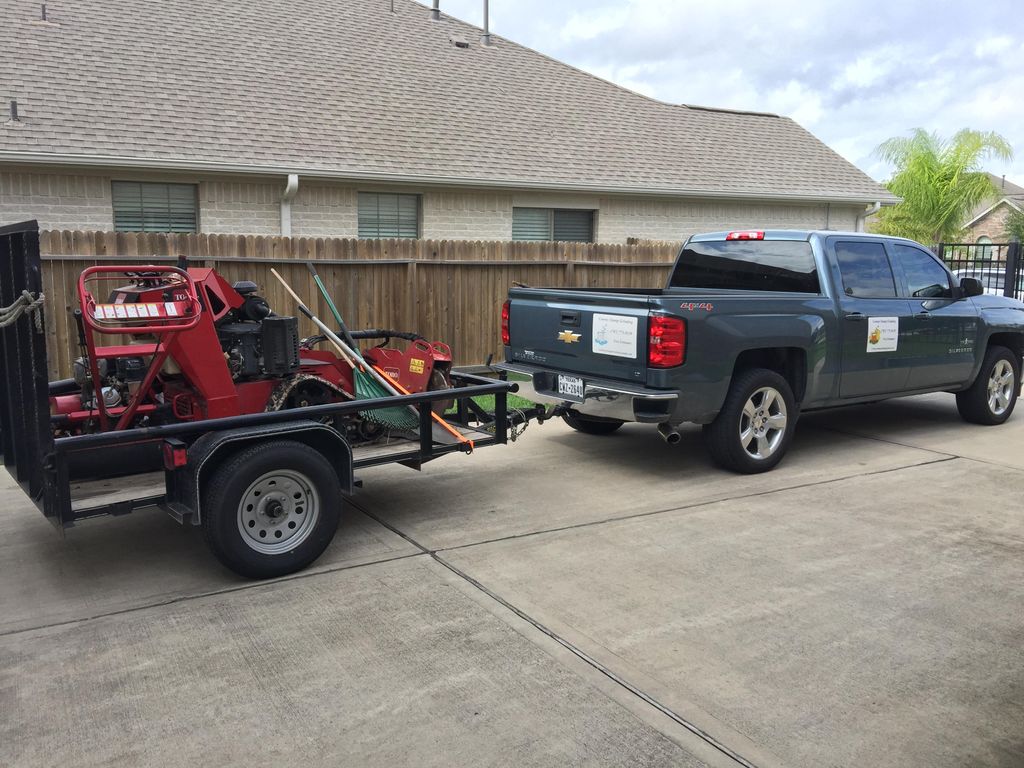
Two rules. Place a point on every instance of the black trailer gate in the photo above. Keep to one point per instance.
(26, 438)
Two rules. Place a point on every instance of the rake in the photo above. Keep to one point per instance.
(370, 383)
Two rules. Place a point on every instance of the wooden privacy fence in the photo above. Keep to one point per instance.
(446, 290)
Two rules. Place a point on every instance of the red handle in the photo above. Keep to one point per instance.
(181, 314)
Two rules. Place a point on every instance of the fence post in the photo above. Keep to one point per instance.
(1012, 270)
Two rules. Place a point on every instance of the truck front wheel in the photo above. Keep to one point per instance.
(271, 509)
(755, 426)
(992, 396)
(591, 425)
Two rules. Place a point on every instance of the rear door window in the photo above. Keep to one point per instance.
(866, 271)
(926, 278)
(755, 265)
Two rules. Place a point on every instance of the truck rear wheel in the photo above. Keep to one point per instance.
(271, 509)
(755, 426)
(591, 425)
(991, 398)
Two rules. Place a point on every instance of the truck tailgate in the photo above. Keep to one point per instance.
(600, 335)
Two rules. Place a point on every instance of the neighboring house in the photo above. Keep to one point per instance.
(988, 223)
(350, 120)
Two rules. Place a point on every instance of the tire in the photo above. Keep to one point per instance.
(990, 400)
(591, 425)
(737, 444)
(271, 509)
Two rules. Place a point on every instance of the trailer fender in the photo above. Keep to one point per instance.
(184, 485)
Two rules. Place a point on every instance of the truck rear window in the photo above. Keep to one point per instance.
(756, 265)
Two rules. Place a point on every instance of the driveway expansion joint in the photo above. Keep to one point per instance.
(210, 593)
(654, 512)
(572, 648)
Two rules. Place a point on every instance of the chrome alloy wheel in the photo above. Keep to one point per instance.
(1000, 387)
(278, 512)
(763, 423)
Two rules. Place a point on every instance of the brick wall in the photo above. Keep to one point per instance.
(454, 215)
(58, 201)
(240, 208)
(322, 209)
(992, 225)
(621, 218)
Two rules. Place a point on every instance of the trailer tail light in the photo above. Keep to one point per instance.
(175, 454)
(666, 343)
(752, 234)
(506, 336)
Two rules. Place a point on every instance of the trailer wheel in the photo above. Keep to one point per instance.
(271, 509)
(753, 430)
(591, 425)
(992, 396)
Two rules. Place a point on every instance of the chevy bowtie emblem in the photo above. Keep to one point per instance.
(569, 337)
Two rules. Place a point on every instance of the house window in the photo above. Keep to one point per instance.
(383, 215)
(562, 225)
(148, 207)
(984, 247)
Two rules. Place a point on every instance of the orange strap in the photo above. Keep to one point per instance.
(455, 433)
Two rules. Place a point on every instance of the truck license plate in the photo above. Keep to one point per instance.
(570, 386)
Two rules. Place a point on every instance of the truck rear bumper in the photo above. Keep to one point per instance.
(601, 398)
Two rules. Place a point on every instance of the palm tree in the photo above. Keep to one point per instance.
(941, 181)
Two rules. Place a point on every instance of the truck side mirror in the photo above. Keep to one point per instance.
(971, 286)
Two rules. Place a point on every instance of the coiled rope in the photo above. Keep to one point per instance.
(26, 304)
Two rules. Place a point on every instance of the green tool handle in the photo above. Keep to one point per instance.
(330, 304)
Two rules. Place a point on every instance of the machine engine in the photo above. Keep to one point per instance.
(256, 342)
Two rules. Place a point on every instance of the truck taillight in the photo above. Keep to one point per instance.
(666, 343)
(751, 234)
(506, 337)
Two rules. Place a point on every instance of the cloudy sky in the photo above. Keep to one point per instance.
(853, 74)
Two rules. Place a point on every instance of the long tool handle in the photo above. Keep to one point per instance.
(330, 304)
(306, 311)
(389, 384)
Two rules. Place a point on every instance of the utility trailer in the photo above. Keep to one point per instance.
(266, 488)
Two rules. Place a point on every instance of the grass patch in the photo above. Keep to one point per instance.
(513, 401)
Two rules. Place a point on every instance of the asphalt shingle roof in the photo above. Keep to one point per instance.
(348, 88)
(1007, 190)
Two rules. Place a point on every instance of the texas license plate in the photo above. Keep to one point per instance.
(570, 386)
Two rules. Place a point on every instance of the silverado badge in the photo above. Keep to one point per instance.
(569, 337)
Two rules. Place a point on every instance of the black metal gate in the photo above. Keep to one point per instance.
(997, 265)
(26, 437)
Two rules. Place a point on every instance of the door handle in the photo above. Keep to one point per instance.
(855, 316)
(924, 314)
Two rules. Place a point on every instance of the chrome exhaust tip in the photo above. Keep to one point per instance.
(669, 433)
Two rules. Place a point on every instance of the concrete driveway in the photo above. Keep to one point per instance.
(568, 600)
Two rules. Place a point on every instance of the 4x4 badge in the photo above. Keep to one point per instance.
(569, 337)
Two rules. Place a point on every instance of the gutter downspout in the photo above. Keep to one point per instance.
(871, 210)
(290, 190)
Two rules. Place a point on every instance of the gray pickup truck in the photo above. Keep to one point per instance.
(755, 327)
